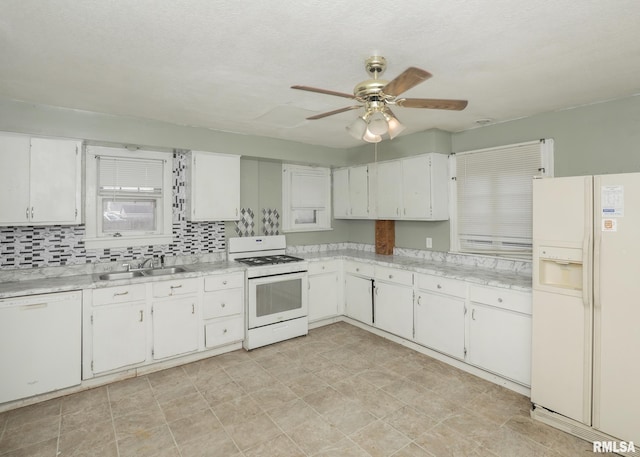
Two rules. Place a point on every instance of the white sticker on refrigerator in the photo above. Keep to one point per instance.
(612, 201)
(609, 225)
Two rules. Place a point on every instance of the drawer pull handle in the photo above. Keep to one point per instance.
(499, 300)
(33, 306)
(473, 314)
(141, 315)
(439, 286)
(193, 308)
(117, 294)
(176, 287)
(419, 297)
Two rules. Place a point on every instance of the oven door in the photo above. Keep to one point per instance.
(277, 298)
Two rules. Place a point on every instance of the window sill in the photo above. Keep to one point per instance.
(314, 229)
(123, 242)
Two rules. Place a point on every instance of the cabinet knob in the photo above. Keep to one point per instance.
(357, 269)
(439, 286)
(224, 283)
(223, 304)
(224, 331)
(323, 267)
(390, 276)
(499, 300)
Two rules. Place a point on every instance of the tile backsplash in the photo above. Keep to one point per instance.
(40, 246)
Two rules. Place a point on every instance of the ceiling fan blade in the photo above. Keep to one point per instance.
(432, 103)
(409, 78)
(331, 113)
(323, 91)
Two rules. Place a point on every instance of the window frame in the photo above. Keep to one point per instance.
(546, 170)
(95, 238)
(322, 213)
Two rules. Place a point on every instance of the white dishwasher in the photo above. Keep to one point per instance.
(40, 344)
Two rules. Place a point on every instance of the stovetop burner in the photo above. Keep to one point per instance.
(269, 260)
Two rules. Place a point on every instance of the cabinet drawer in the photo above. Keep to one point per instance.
(119, 294)
(222, 303)
(224, 331)
(501, 298)
(227, 281)
(175, 287)
(325, 266)
(361, 269)
(394, 275)
(442, 285)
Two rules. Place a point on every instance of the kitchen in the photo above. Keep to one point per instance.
(580, 134)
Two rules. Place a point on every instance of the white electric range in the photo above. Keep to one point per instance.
(276, 290)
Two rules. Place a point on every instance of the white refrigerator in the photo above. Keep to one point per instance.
(586, 305)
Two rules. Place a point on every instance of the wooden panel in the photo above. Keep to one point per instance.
(385, 237)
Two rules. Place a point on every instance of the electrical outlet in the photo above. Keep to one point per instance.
(429, 243)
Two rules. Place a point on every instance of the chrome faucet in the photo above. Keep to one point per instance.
(144, 262)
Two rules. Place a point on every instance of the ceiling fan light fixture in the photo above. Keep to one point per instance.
(378, 124)
(370, 137)
(357, 128)
(395, 127)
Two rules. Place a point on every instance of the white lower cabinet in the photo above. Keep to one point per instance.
(223, 309)
(440, 314)
(393, 311)
(118, 327)
(119, 336)
(40, 344)
(358, 292)
(175, 316)
(499, 326)
(324, 293)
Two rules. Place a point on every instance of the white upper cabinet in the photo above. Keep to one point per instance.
(389, 184)
(414, 188)
(351, 193)
(40, 181)
(213, 187)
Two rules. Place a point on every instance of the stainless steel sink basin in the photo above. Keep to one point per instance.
(120, 275)
(138, 273)
(163, 271)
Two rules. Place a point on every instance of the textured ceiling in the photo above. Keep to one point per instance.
(228, 65)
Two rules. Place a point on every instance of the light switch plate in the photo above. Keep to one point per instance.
(429, 243)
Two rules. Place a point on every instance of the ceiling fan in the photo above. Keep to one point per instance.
(377, 95)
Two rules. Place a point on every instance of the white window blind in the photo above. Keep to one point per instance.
(494, 197)
(309, 190)
(122, 175)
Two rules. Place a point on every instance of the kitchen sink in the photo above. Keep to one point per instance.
(138, 273)
(120, 275)
(163, 271)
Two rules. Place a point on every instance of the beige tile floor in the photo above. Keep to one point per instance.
(340, 391)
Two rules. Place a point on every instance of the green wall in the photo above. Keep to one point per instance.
(594, 139)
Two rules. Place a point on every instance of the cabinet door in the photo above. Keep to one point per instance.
(389, 193)
(416, 187)
(439, 322)
(119, 336)
(394, 309)
(175, 327)
(323, 296)
(357, 298)
(14, 179)
(341, 193)
(55, 181)
(500, 341)
(215, 187)
(359, 191)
